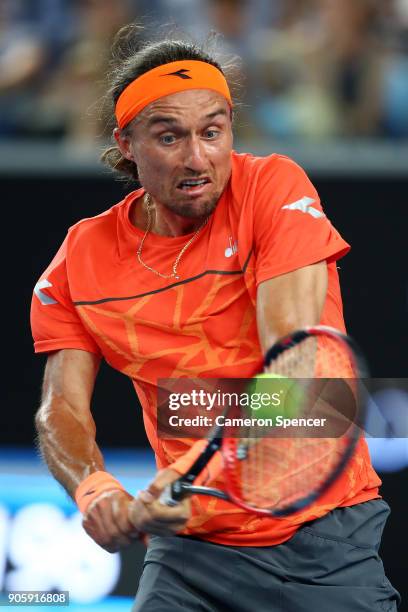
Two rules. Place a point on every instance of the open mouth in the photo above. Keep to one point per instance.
(193, 184)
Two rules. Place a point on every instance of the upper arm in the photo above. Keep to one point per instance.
(55, 322)
(74, 356)
(290, 301)
(290, 228)
(69, 381)
(294, 243)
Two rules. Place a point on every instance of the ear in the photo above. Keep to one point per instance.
(124, 144)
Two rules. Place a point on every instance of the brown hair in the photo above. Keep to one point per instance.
(131, 59)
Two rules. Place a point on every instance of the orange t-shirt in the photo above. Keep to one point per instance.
(96, 296)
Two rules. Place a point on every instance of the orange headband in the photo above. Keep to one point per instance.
(165, 80)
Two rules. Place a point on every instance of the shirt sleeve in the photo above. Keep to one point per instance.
(55, 323)
(291, 229)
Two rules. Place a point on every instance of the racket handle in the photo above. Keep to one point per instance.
(166, 497)
(177, 491)
(172, 494)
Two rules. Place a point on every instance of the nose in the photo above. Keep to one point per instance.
(195, 156)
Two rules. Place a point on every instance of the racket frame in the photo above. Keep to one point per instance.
(229, 445)
(183, 486)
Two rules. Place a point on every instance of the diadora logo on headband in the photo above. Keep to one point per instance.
(179, 73)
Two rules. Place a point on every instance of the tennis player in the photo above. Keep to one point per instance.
(197, 273)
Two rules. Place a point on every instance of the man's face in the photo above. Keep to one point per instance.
(182, 145)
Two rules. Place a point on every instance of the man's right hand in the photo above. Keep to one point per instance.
(106, 521)
(115, 519)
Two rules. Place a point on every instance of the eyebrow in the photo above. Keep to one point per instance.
(171, 120)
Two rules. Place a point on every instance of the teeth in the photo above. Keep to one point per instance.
(193, 183)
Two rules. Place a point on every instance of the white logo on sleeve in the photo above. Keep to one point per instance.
(305, 206)
(43, 297)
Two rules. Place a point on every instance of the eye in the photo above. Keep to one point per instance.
(167, 139)
(211, 134)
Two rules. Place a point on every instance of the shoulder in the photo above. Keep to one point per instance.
(101, 228)
(253, 165)
(267, 182)
(250, 172)
(102, 222)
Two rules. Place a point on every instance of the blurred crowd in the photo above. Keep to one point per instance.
(316, 69)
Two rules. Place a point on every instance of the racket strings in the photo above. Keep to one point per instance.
(277, 479)
(279, 471)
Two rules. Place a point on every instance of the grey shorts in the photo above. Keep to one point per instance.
(330, 564)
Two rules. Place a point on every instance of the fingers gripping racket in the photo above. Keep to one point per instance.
(269, 474)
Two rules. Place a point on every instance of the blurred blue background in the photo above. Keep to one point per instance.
(42, 544)
(316, 69)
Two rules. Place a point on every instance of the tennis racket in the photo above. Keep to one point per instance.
(269, 474)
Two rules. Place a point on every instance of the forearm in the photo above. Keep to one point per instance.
(290, 301)
(67, 444)
(66, 429)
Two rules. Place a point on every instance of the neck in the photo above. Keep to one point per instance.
(167, 223)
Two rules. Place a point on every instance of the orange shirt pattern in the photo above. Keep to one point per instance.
(96, 296)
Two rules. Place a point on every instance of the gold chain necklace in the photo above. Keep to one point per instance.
(179, 256)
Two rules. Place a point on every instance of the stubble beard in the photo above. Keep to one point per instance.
(196, 210)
